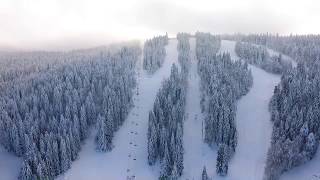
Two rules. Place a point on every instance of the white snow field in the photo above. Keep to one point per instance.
(9, 165)
(253, 124)
(129, 156)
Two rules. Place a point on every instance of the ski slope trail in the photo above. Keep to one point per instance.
(128, 159)
(253, 124)
(197, 153)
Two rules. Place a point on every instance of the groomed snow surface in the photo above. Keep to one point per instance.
(253, 125)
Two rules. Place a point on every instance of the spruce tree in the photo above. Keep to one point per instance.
(101, 137)
(204, 174)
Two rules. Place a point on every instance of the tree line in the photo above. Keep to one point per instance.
(154, 53)
(223, 82)
(45, 118)
(165, 129)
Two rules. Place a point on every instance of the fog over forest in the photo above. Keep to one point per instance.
(61, 24)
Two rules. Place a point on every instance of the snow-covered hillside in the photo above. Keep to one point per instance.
(129, 156)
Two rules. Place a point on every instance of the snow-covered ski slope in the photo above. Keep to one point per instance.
(129, 156)
(254, 127)
(253, 124)
(9, 165)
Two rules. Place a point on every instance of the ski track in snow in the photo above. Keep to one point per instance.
(129, 156)
(253, 125)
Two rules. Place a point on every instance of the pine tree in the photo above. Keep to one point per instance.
(101, 138)
(25, 173)
(222, 160)
(179, 151)
(42, 171)
(109, 131)
(90, 109)
(65, 160)
(174, 174)
(83, 123)
(204, 174)
(311, 145)
(152, 140)
(166, 168)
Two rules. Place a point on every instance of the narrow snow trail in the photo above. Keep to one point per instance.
(129, 156)
(254, 127)
(197, 153)
(253, 124)
(9, 165)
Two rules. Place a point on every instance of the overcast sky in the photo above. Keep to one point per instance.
(44, 23)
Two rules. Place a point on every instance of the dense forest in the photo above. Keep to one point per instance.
(15, 66)
(45, 117)
(295, 111)
(302, 48)
(165, 129)
(154, 53)
(259, 56)
(223, 82)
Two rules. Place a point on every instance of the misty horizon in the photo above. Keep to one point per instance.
(57, 25)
